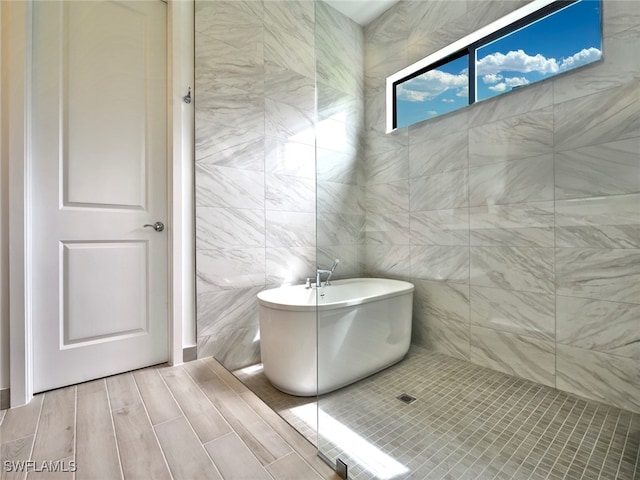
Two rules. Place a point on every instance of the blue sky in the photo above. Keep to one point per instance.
(568, 39)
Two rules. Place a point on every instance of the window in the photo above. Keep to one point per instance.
(542, 39)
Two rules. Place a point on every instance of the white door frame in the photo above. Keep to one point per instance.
(16, 105)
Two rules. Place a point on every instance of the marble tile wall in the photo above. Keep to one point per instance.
(256, 198)
(518, 219)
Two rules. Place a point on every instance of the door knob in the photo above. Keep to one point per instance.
(158, 226)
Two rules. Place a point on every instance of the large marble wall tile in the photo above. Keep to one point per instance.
(523, 313)
(387, 166)
(423, 16)
(457, 121)
(290, 194)
(526, 357)
(228, 147)
(340, 229)
(284, 157)
(619, 15)
(229, 227)
(447, 302)
(436, 262)
(234, 347)
(427, 43)
(337, 167)
(481, 14)
(441, 154)
(231, 108)
(388, 197)
(440, 227)
(599, 118)
(518, 181)
(350, 256)
(607, 327)
(339, 198)
(513, 268)
(441, 191)
(391, 261)
(229, 187)
(338, 136)
(514, 103)
(376, 107)
(223, 65)
(599, 274)
(451, 338)
(599, 222)
(382, 60)
(387, 229)
(618, 66)
(390, 25)
(287, 122)
(290, 229)
(341, 67)
(219, 311)
(333, 103)
(291, 265)
(527, 135)
(220, 19)
(289, 35)
(287, 86)
(229, 269)
(608, 169)
(376, 142)
(517, 225)
(607, 378)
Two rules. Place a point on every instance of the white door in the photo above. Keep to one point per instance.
(98, 174)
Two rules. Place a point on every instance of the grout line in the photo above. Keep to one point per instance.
(35, 433)
(153, 430)
(626, 440)
(113, 426)
(613, 436)
(587, 430)
(75, 427)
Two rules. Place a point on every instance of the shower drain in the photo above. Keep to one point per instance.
(406, 398)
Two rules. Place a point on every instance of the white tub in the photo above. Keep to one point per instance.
(364, 326)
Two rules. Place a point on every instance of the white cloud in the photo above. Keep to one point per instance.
(490, 66)
(432, 112)
(448, 100)
(584, 56)
(500, 87)
(430, 85)
(491, 78)
(516, 61)
(516, 81)
(463, 92)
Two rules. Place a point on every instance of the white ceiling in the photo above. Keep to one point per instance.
(361, 11)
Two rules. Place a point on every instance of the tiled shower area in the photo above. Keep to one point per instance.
(517, 219)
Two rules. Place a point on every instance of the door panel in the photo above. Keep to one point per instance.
(98, 175)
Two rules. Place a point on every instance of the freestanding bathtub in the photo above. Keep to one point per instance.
(363, 326)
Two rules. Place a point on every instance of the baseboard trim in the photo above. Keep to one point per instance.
(5, 399)
(189, 354)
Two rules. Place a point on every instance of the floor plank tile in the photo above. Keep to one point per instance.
(57, 427)
(122, 391)
(263, 441)
(292, 467)
(206, 420)
(21, 421)
(234, 459)
(185, 455)
(160, 404)
(15, 452)
(96, 455)
(139, 450)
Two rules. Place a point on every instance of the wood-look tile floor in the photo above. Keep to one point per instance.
(194, 421)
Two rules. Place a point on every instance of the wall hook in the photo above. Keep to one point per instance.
(187, 97)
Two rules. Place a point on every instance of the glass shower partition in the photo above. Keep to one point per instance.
(339, 216)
